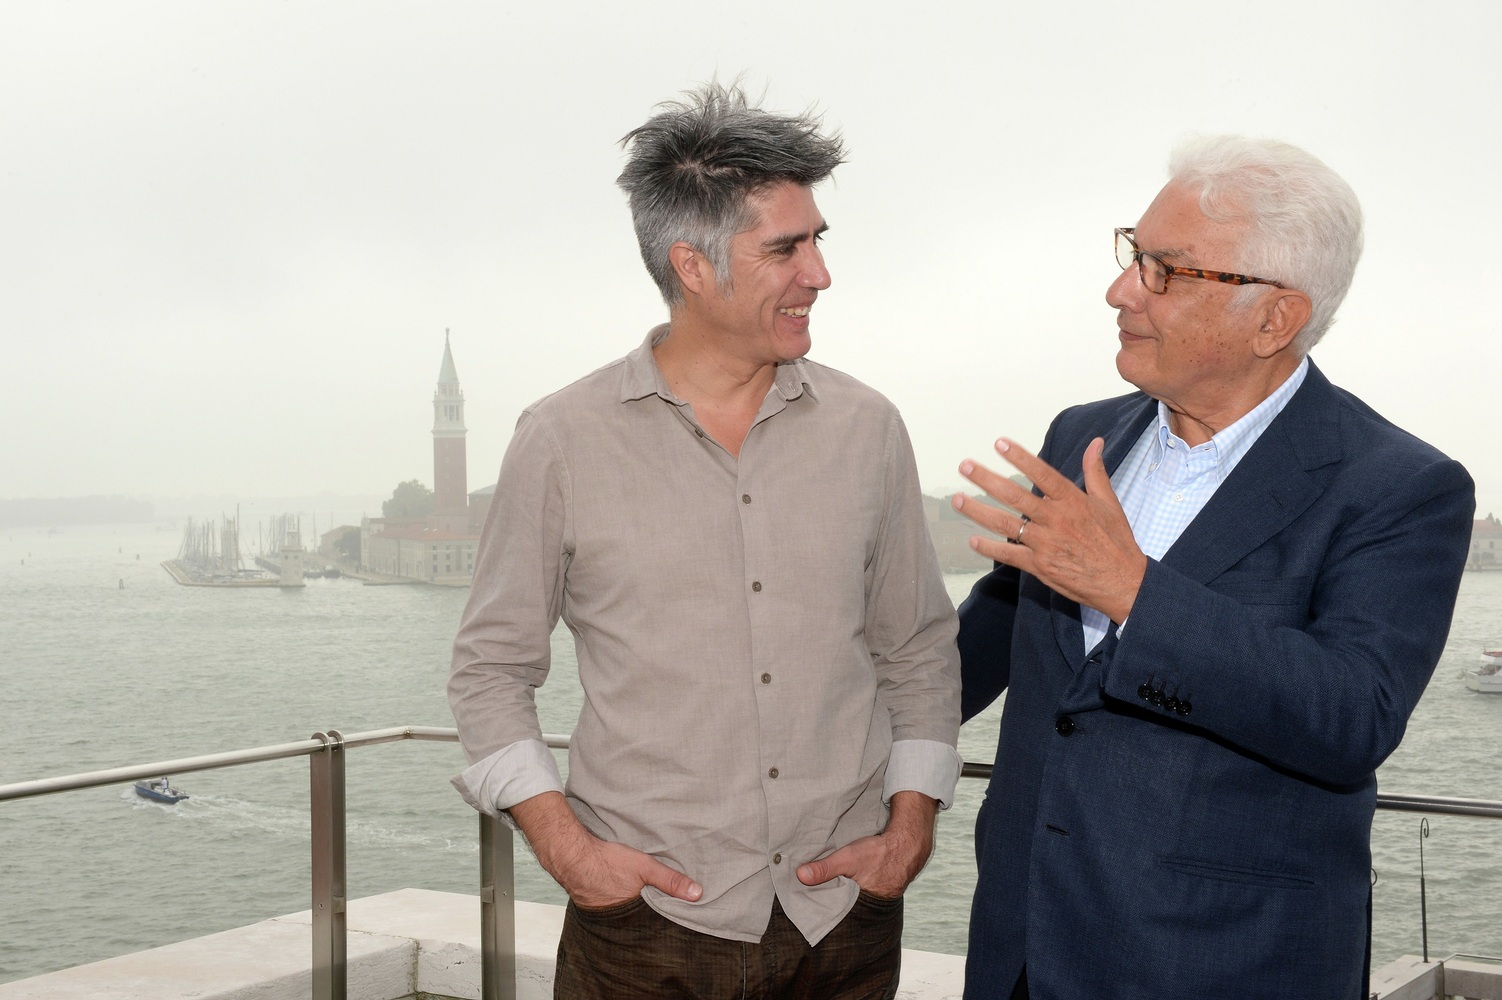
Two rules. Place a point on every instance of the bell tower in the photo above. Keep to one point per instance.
(450, 472)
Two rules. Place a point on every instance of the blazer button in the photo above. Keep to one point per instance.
(1145, 692)
(1171, 703)
(1064, 725)
(1156, 698)
(1184, 708)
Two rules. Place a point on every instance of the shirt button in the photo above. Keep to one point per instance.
(1178, 497)
(772, 773)
(756, 586)
(745, 498)
(777, 859)
(766, 678)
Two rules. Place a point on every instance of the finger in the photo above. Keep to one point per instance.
(817, 872)
(994, 483)
(839, 863)
(1044, 476)
(674, 883)
(1097, 482)
(986, 516)
(1006, 552)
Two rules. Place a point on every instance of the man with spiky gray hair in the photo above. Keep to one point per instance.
(736, 539)
(1211, 617)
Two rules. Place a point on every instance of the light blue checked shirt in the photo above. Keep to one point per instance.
(1163, 483)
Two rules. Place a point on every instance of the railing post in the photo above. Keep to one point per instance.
(497, 911)
(326, 793)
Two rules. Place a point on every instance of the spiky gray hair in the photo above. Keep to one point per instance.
(693, 165)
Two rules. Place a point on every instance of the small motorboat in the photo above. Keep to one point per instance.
(159, 790)
(1486, 677)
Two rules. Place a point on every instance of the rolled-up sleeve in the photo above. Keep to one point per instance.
(514, 773)
(503, 648)
(911, 628)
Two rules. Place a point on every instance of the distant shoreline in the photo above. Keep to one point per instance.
(72, 511)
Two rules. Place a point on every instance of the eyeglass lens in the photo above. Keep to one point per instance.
(1149, 268)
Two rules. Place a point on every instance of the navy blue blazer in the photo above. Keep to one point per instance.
(1185, 811)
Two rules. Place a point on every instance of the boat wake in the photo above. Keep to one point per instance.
(242, 815)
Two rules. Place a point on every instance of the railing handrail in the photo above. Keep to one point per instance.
(1436, 804)
(233, 758)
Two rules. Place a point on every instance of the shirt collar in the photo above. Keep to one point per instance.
(1232, 443)
(642, 377)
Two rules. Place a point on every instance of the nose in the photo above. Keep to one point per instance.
(813, 273)
(1126, 291)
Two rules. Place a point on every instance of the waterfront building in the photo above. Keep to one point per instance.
(438, 548)
(951, 533)
(1486, 544)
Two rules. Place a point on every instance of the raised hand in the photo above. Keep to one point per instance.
(1078, 542)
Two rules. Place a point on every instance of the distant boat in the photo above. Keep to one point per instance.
(1486, 677)
(159, 790)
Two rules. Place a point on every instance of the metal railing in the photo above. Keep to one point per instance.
(326, 756)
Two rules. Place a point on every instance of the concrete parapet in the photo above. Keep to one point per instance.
(398, 944)
(1475, 980)
(1412, 978)
(1407, 978)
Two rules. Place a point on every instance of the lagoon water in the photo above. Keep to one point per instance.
(105, 661)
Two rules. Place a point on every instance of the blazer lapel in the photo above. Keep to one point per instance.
(1271, 486)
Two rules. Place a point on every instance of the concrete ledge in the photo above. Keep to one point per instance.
(1412, 978)
(1473, 979)
(1408, 978)
(419, 941)
(399, 943)
(270, 960)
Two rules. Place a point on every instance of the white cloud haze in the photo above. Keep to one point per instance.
(234, 233)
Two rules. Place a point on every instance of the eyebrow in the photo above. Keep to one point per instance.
(1174, 255)
(793, 239)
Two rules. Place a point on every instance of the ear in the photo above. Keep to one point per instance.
(1283, 316)
(694, 272)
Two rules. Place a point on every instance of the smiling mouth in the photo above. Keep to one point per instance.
(798, 311)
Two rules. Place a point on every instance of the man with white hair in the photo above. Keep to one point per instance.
(1212, 617)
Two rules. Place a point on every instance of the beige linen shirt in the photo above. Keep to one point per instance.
(752, 635)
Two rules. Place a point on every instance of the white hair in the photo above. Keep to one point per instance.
(1303, 220)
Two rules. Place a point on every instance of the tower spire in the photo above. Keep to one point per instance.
(447, 373)
(450, 475)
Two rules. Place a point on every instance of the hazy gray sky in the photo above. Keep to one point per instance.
(233, 234)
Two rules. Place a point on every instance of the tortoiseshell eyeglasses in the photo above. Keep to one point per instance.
(1155, 273)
